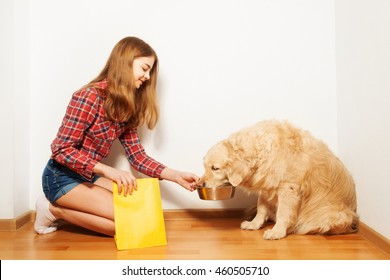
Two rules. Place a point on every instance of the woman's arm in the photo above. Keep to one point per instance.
(185, 179)
(120, 177)
(149, 166)
(137, 156)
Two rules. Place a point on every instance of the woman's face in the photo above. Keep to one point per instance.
(141, 69)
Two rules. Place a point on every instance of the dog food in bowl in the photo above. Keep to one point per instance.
(216, 193)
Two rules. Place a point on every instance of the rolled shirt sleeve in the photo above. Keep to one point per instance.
(137, 156)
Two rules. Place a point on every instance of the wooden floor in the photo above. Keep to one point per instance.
(188, 239)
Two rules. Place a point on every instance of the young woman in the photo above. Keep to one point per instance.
(77, 186)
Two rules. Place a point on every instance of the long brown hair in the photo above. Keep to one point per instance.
(124, 102)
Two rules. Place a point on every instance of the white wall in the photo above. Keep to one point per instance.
(14, 80)
(7, 81)
(363, 90)
(223, 65)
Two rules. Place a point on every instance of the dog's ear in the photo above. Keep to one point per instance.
(237, 171)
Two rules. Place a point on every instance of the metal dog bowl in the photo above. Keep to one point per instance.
(216, 193)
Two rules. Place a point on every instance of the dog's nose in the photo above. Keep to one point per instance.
(201, 183)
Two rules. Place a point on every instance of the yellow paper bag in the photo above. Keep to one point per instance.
(139, 220)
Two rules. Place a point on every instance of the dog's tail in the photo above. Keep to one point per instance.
(355, 224)
(346, 228)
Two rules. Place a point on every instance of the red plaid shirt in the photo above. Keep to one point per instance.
(85, 136)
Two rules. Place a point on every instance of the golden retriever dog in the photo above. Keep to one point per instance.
(301, 185)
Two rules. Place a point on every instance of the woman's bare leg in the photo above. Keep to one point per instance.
(104, 183)
(85, 220)
(89, 206)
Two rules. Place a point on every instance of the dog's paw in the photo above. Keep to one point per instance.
(271, 234)
(250, 225)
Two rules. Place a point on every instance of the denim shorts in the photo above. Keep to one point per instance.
(58, 180)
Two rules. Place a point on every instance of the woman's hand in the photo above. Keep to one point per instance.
(122, 178)
(185, 179)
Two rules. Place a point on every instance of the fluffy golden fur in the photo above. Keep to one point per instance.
(301, 185)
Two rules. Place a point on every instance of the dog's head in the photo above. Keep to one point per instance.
(222, 166)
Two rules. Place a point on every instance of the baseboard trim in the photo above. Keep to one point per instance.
(187, 214)
(375, 237)
(15, 224)
(179, 214)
